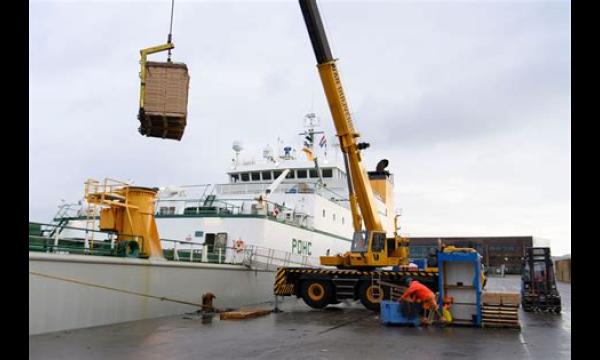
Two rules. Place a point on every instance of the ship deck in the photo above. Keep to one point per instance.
(345, 331)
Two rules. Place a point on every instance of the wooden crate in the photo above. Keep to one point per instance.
(243, 314)
(165, 101)
(500, 298)
(563, 270)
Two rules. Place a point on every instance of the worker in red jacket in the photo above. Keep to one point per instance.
(417, 292)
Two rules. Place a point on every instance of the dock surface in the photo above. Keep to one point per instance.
(344, 331)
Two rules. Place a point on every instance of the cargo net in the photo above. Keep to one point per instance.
(164, 113)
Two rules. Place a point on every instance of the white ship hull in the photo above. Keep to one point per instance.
(75, 291)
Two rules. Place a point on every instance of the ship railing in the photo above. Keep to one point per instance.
(194, 252)
(61, 239)
(176, 192)
(289, 188)
(235, 207)
(67, 210)
(254, 257)
(78, 241)
(261, 258)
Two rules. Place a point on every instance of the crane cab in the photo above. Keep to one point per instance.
(371, 249)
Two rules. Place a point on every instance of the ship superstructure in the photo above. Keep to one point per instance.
(306, 212)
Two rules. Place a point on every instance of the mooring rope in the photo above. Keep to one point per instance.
(161, 298)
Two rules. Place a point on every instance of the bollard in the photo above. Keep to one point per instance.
(277, 310)
(207, 302)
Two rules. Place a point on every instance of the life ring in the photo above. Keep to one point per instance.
(239, 245)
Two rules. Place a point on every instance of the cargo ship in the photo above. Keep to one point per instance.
(287, 208)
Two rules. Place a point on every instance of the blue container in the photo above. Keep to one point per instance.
(450, 267)
(400, 313)
(421, 263)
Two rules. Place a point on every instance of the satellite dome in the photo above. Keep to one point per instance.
(237, 146)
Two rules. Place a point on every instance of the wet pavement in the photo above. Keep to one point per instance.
(345, 331)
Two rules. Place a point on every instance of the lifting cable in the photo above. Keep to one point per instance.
(170, 36)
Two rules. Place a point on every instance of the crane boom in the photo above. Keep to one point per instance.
(361, 193)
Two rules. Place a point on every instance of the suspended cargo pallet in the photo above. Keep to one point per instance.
(164, 100)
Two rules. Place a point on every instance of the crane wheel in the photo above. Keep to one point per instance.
(316, 294)
(370, 295)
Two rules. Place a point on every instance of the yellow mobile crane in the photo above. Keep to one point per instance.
(357, 275)
(370, 247)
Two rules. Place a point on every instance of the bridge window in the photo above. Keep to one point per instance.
(302, 174)
(291, 175)
(313, 173)
(327, 173)
(323, 212)
(266, 175)
(277, 173)
(235, 178)
(255, 176)
(245, 176)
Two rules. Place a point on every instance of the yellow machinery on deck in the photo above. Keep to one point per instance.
(129, 212)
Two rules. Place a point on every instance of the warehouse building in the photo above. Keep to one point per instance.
(496, 251)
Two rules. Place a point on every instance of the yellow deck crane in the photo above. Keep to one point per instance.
(359, 273)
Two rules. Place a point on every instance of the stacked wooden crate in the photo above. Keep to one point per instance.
(563, 270)
(164, 113)
(500, 309)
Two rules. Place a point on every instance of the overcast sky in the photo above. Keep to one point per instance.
(469, 100)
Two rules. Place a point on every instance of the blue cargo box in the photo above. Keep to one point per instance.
(421, 263)
(400, 313)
